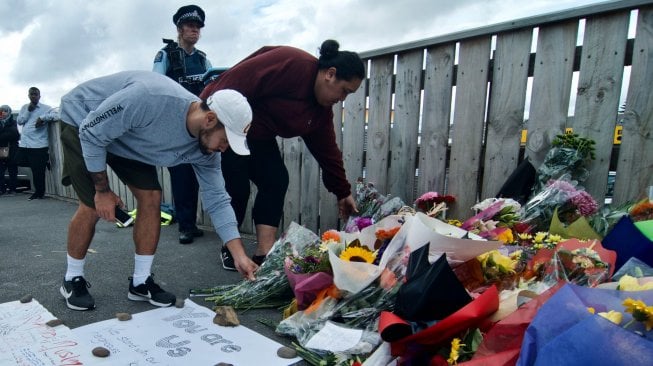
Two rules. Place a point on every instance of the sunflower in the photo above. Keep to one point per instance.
(640, 311)
(358, 254)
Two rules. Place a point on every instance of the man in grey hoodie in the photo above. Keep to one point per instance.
(134, 121)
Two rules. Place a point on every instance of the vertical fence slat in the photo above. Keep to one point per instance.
(469, 115)
(554, 61)
(403, 136)
(292, 151)
(635, 162)
(436, 114)
(599, 90)
(378, 125)
(309, 190)
(506, 109)
(328, 205)
(353, 134)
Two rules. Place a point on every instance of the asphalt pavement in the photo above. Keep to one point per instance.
(33, 262)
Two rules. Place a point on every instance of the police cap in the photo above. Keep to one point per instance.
(189, 13)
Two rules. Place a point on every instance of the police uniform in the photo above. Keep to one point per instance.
(188, 70)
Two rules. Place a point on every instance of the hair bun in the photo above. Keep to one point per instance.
(329, 48)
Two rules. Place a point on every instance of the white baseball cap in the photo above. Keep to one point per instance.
(235, 114)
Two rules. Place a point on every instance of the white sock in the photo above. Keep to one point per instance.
(75, 267)
(142, 268)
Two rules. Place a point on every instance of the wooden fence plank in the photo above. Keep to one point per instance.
(635, 162)
(378, 125)
(292, 157)
(506, 109)
(469, 116)
(328, 205)
(551, 87)
(403, 135)
(434, 136)
(599, 90)
(309, 190)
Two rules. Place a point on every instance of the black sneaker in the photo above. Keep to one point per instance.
(76, 294)
(150, 291)
(227, 260)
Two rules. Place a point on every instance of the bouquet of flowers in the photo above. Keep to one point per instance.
(310, 271)
(271, 288)
(434, 204)
(562, 194)
(494, 219)
(372, 207)
(567, 156)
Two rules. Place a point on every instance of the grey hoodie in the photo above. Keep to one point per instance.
(141, 115)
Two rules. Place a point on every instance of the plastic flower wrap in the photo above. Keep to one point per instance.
(310, 271)
(372, 207)
(271, 288)
(584, 263)
(564, 323)
(494, 219)
(568, 156)
(571, 202)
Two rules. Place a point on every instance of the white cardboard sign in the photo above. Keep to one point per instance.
(173, 336)
(25, 339)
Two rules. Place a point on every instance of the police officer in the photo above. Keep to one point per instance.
(185, 64)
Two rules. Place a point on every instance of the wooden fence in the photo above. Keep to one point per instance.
(445, 114)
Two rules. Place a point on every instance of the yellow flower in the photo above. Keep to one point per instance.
(506, 237)
(358, 254)
(525, 236)
(628, 283)
(455, 222)
(454, 354)
(494, 258)
(554, 238)
(591, 310)
(516, 254)
(641, 312)
(613, 316)
(539, 237)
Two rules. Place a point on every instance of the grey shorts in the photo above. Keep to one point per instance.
(131, 172)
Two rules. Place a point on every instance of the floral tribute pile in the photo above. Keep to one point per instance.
(512, 284)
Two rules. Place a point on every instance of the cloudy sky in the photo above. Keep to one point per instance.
(56, 44)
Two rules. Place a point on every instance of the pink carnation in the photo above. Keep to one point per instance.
(584, 203)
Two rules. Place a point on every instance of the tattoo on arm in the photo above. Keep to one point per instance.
(101, 181)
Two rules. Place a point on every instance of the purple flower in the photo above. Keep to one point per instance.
(363, 222)
(585, 203)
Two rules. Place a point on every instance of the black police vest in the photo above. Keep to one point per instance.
(185, 69)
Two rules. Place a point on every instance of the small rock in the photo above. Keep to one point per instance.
(179, 303)
(223, 364)
(286, 352)
(54, 322)
(226, 316)
(100, 352)
(25, 299)
(123, 316)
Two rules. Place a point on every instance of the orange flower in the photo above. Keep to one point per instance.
(331, 235)
(383, 234)
(642, 211)
(388, 279)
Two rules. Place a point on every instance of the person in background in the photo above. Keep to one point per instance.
(34, 144)
(185, 64)
(8, 139)
(134, 121)
(292, 94)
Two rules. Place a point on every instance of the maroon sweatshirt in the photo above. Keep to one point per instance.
(278, 83)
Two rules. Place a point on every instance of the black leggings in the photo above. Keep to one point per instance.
(265, 168)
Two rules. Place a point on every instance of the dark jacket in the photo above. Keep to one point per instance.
(9, 136)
